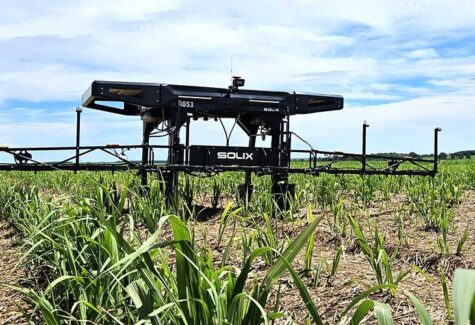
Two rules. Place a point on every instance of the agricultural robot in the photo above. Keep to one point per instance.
(165, 110)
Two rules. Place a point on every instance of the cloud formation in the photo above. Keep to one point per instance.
(404, 66)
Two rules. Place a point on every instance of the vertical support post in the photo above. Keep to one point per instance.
(245, 190)
(147, 129)
(175, 154)
(287, 140)
(250, 127)
(436, 149)
(187, 142)
(363, 154)
(78, 135)
(282, 191)
(252, 144)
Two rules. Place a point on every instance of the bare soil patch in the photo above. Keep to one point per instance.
(11, 302)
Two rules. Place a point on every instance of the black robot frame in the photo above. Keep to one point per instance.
(166, 109)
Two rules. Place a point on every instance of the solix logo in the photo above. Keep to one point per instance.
(235, 155)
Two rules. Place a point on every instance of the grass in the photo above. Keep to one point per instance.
(100, 252)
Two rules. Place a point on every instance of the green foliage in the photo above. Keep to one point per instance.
(107, 254)
(101, 271)
(464, 296)
(377, 257)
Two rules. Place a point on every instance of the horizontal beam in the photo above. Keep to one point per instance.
(211, 169)
(295, 170)
(69, 167)
(133, 146)
(312, 169)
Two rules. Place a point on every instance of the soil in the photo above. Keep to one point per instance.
(11, 302)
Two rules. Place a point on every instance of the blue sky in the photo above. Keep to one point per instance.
(404, 66)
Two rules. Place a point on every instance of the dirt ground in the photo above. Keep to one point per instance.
(11, 302)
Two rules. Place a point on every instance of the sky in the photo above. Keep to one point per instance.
(405, 67)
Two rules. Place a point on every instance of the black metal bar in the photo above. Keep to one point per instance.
(381, 157)
(215, 168)
(75, 156)
(78, 132)
(277, 169)
(113, 154)
(147, 129)
(199, 168)
(436, 148)
(187, 141)
(363, 156)
(419, 165)
(30, 159)
(340, 155)
(71, 167)
(248, 175)
(140, 146)
(137, 146)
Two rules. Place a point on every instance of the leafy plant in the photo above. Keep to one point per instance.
(377, 257)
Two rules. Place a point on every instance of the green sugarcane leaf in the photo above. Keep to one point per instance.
(383, 313)
(280, 266)
(365, 294)
(305, 295)
(472, 312)
(241, 280)
(361, 312)
(464, 290)
(420, 309)
(48, 313)
(289, 254)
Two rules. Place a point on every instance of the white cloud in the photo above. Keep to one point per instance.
(423, 54)
(403, 126)
(369, 51)
(68, 18)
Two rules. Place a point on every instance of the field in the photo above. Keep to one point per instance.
(88, 246)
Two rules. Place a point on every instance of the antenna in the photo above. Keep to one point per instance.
(231, 71)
